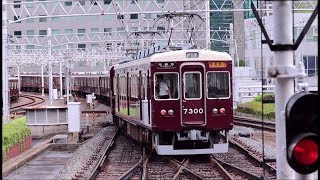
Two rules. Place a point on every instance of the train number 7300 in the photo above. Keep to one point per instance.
(193, 111)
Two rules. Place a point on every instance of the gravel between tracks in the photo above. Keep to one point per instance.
(82, 154)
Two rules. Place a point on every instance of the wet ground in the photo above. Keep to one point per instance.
(45, 166)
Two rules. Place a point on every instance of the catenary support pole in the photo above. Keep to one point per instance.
(67, 75)
(19, 86)
(5, 81)
(284, 87)
(61, 90)
(42, 80)
(50, 65)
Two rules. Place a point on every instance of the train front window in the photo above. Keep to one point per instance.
(166, 86)
(192, 85)
(218, 84)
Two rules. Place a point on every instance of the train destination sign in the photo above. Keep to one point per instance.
(166, 64)
(217, 64)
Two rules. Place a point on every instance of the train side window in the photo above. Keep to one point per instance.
(166, 86)
(218, 84)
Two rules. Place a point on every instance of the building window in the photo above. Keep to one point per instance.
(82, 31)
(296, 32)
(29, 5)
(309, 35)
(120, 29)
(160, 28)
(68, 31)
(108, 46)
(68, 19)
(30, 47)
(17, 4)
(42, 19)
(134, 1)
(106, 1)
(15, 18)
(159, 15)
(42, 32)
(133, 16)
(120, 16)
(55, 19)
(82, 46)
(30, 32)
(94, 2)
(311, 65)
(107, 17)
(93, 30)
(147, 15)
(17, 33)
(55, 32)
(29, 20)
(132, 29)
(160, 1)
(82, 2)
(107, 31)
(94, 45)
(68, 3)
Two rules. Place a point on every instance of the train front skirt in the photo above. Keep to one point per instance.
(191, 147)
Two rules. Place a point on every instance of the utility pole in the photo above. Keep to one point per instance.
(42, 80)
(61, 91)
(50, 65)
(5, 83)
(284, 87)
(19, 86)
(67, 74)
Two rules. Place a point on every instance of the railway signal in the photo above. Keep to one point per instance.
(302, 132)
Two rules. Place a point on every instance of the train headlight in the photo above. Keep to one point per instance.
(222, 110)
(214, 110)
(170, 112)
(163, 112)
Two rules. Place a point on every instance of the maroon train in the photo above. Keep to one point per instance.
(190, 121)
(187, 121)
(13, 88)
(81, 84)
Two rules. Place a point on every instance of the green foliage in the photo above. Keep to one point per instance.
(266, 97)
(14, 132)
(242, 63)
(255, 107)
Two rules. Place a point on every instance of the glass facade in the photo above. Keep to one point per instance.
(220, 20)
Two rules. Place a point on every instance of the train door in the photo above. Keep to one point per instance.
(192, 97)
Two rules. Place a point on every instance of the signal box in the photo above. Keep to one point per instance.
(302, 132)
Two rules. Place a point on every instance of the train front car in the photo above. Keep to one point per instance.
(191, 101)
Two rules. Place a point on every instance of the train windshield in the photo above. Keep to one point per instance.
(192, 85)
(218, 84)
(166, 86)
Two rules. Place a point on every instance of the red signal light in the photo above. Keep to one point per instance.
(306, 152)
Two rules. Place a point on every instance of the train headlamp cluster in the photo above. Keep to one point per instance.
(221, 110)
(163, 112)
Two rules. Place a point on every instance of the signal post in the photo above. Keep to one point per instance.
(285, 73)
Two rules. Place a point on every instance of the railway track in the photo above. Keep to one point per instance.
(35, 100)
(127, 159)
(244, 121)
(242, 163)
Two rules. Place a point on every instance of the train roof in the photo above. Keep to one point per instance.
(179, 55)
(192, 54)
